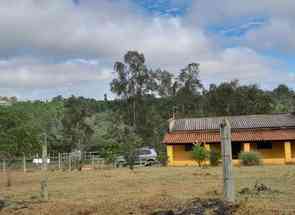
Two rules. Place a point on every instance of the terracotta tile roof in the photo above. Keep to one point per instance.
(237, 122)
(239, 136)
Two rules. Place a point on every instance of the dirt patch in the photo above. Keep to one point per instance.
(2, 204)
(203, 206)
(39, 207)
(259, 188)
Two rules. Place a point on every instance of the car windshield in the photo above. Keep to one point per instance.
(143, 152)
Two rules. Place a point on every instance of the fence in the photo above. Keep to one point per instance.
(56, 161)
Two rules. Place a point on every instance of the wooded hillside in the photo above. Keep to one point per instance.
(145, 100)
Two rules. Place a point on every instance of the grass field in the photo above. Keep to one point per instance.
(145, 190)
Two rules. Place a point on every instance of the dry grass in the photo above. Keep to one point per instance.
(121, 191)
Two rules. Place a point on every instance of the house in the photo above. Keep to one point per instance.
(4, 103)
(272, 135)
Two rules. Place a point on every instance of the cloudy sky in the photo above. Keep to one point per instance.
(64, 47)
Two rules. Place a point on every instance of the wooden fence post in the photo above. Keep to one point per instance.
(228, 182)
(59, 161)
(44, 181)
(24, 162)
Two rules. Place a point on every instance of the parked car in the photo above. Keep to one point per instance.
(144, 156)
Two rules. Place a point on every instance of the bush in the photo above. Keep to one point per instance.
(250, 158)
(200, 154)
(214, 157)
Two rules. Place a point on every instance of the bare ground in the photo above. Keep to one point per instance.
(146, 190)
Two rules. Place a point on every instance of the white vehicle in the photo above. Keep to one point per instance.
(39, 161)
(145, 156)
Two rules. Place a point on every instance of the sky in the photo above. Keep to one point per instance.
(50, 48)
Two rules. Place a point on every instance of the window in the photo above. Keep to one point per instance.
(264, 145)
(188, 147)
(143, 152)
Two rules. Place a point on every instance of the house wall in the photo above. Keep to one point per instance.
(293, 150)
(275, 155)
(182, 157)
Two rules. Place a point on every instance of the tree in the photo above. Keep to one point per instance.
(200, 154)
(133, 81)
(189, 90)
(230, 98)
(77, 123)
(123, 140)
(166, 85)
(283, 99)
(17, 136)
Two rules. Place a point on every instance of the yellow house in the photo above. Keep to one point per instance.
(272, 135)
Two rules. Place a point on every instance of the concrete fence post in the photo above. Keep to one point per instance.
(70, 162)
(24, 162)
(92, 161)
(228, 182)
(3, 165)
(44, 181)
(59, 161)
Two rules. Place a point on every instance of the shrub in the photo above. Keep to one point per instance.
(200, 154)
(250, 158)
(162, 158)
(214, 157)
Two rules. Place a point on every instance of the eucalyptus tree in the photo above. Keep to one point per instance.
(133, 81)
(188, 89)
(283, 99)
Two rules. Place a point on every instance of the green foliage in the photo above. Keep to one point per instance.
(200, 154)
(17, 135)
(250, 158)
(87, 124)
(214, 157)
(77, 123)
(122, 140)
(233, 99)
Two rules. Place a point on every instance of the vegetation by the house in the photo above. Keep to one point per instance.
(250, 158)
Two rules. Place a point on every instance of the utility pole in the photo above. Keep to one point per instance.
(44, 181)
(228, 182)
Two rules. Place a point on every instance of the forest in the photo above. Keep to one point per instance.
(138, 116)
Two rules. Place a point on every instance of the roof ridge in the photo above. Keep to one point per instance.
(246, 115)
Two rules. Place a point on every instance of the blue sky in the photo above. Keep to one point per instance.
(69, 47)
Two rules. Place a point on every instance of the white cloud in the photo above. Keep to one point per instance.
(246, 65)
(32, 74)
(275, 34)
(48, 44)
(278, 34)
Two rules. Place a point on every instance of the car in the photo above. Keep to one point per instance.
(144, 156)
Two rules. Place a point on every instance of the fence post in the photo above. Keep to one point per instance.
(228, 182)
(70, 162)
(4, 165)
(24, 162)
(44, 181)
(92, 161)
(59, 161)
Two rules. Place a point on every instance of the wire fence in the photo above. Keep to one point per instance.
(65, 161)
(56, 161)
